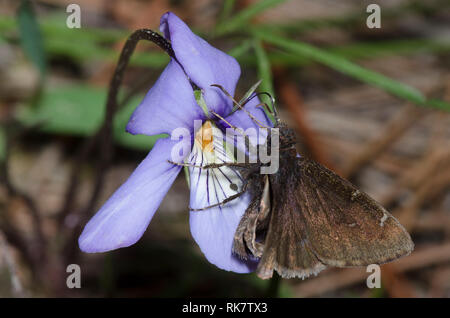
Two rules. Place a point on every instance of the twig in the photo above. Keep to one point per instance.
(395, 283)
(433, 222)
(439, 281)
(417, 175)
(39, 252)
(407, 214)
(406, 117)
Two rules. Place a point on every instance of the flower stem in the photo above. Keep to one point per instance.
(274, 286)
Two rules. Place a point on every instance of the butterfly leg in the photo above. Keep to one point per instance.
(211, 165)
(245, 238)
(249, 235)
(256, 220)
(239, 246)
(230, 198)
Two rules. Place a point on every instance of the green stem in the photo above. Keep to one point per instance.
(264, 73)
(274, 286)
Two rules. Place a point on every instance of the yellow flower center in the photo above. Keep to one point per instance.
(204, 137)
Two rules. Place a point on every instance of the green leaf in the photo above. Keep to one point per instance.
(249, 92)
(137, 142)
(438, 104)
(351, 69)
(242, 18)
(345, 66)
(85, 44)
(238, 51)
(92, 51)
(353, 20)
(54, 26)
(30, 35)
(265, 74)
(227, 9)
(383, 48)
(78, 110)
(70, 110)
(356, 51)
(201, 101)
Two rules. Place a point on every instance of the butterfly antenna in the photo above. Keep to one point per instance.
(240, 106)
(272, 110)
(227, 122)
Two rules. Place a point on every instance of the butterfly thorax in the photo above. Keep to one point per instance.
(287, 137)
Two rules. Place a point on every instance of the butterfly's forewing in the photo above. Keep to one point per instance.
(344, 226)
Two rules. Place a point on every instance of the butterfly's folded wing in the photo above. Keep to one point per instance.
(344, 226)
(286, 248)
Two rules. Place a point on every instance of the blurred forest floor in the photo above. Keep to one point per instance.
(397, 152)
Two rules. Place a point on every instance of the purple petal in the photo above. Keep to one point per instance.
(213, 230)
(169, 104)
(204, 64)
(122, 220)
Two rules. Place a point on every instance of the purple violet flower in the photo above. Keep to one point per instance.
(171, 104)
